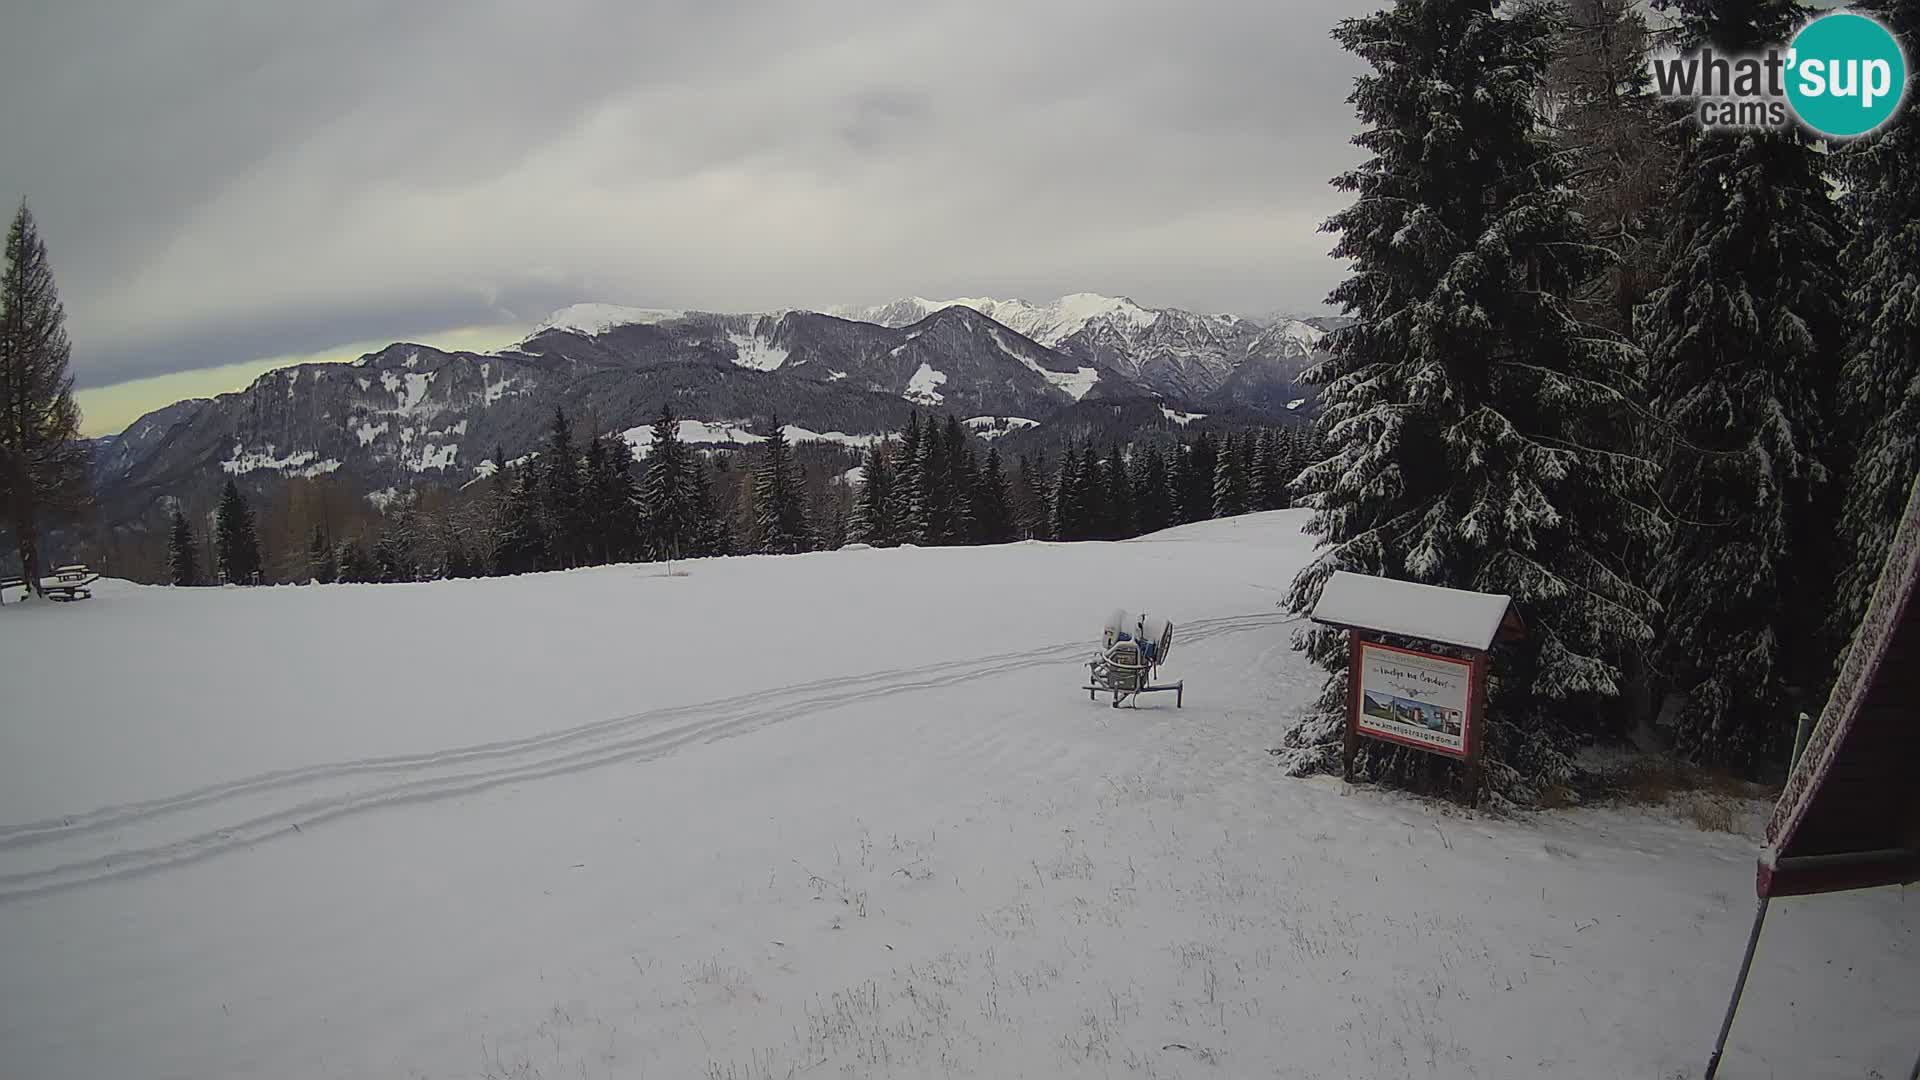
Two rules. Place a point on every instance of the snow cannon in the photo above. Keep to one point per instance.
(1131, 652)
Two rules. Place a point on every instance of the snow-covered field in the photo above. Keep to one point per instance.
(841, 814)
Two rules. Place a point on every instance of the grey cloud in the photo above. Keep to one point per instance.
(218, 182)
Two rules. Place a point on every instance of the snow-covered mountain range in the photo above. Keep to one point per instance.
(1167, 350)
(411, 413)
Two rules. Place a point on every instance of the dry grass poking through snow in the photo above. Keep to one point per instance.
(1714, 800)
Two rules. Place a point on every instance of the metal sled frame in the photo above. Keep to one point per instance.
(1127, 679)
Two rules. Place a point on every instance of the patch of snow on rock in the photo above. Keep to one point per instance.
(920, 388)
(295, 463)
(436, 457)
(751, 351)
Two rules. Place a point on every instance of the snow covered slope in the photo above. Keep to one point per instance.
(769, 819)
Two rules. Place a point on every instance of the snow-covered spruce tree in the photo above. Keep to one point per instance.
(1036, 497)
(44, 464)
(827, 515)
(715, 531)
(909, 494)
(1230, 479)
(1093, 494)
(356, 564)
(1120, 510)
(1244, 448)
(670, 496)
(780, 515)
(1179, 460)
(1743, 339)
(619, 495)
(320, 563)
(993, 503)
(962, 471)
(1620, 148)
(1152, 501)
(1069, 507)
(1203, 460)
(1468, 415)
(873, 507)
(520, 547)
(1260, 479)
(238, 544)
(183, 555)
(1879, 399)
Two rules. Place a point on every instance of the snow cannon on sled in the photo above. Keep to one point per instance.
(1131, 652)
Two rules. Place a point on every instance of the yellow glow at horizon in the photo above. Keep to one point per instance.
(107, 410)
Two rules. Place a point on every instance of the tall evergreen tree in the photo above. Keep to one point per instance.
(1152, 494)
(1288, 460)
(1120, 522)
(962, 471)
(396, 555)
(521, 546)
(44, 464)
(1096, 515)
(614, 505)
(874, 506)
(1230, 479)
(1179, 460)
(1467, 412)
(992, 503)
(779, 506)
(597, 511)
(909, 493)
(183, 555)
(562, 505)
(1260, 470)
(1743, 339)
(1032, 494)
(356, 563)
(1203, 461)
(1880, 382)
(716, 526)
(239, 544)
(1069, 499)
(829, 518)
(321, 566)
(1618, 145)
(671, 496)
(935, 477)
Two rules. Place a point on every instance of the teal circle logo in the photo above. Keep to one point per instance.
(1846, 74)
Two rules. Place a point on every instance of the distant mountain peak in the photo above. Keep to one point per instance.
(593, 319)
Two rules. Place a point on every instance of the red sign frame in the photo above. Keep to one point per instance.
(1477, 666)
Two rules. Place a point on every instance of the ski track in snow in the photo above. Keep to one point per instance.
(644, 735)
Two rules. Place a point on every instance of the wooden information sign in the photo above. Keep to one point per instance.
(1417, 662)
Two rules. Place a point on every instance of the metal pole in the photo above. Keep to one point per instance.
(1916, 1069)
(1801, 731)
(1739, 987)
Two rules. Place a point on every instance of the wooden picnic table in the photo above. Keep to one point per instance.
(68, 583)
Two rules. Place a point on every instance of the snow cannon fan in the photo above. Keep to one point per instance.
(1131, 651)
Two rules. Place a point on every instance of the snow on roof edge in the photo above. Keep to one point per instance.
(1430, 612)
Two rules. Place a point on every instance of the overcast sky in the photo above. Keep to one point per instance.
(218, 183)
